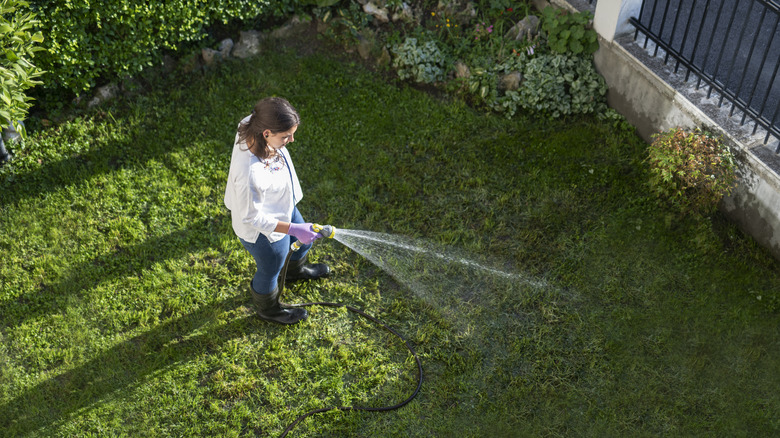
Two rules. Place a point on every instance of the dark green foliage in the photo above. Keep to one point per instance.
(569, 32)
(91, 42)
(422, 62)
(553, 85)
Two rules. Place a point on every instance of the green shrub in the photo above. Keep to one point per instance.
(690, 171)
(484, 83)
(344, 24)
(553, 84)
(569, 33)
(90, 42)
(17, 72)
(423, 63)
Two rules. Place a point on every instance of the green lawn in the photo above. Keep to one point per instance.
(124, 308)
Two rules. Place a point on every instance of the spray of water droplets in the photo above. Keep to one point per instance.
(443, 277)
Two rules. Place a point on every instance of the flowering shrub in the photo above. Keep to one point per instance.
(690, 171)
(482, 31)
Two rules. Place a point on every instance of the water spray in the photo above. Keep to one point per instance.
(329, 232)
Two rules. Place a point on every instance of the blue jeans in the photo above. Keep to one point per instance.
(270, 257)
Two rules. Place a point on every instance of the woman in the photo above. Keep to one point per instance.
(262, 193)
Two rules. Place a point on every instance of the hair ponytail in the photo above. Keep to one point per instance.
(272, 113)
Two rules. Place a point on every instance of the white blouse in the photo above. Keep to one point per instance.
(260, 193)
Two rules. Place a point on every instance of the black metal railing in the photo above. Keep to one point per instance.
(732, 46)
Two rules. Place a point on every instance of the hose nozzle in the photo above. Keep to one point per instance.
(327, 231)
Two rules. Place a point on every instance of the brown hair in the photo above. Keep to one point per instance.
(272, 113)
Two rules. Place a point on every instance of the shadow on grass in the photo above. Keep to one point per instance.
(166, 127)
(129, 363)
(119, 263)
(49, 177)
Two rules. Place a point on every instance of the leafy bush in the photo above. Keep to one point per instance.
(569, 33)
(345, 24)
(89, 42)
(17, 72)
(423, 63)
(555, 85)
(484, 82)
(690, 171)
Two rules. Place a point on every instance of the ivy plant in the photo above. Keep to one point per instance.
(553, 84)
(17, 72)
(422, 62)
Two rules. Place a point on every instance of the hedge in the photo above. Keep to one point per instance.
(89, 41)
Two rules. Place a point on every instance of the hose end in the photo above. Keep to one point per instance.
(328, 231)
(324, 230)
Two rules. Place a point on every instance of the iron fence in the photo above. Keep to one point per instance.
(732, 46)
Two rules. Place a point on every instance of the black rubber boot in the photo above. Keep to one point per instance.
(300, 270)
(268, 308)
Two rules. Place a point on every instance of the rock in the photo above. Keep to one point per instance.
(10, 134)
(448, 8)
(510, 81)
(11, 137)
(210, 56)
(379, 13)
(462, 70)
(191, 64)
(102, 94)
(248, 44)
(384, 58)
(528, 27)
(467, 15)
(404, 13)
(292, 27)
(225, 46)
(364, 47)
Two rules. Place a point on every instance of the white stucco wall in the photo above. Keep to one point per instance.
(653, 105)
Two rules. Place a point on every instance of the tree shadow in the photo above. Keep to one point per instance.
(166, 127)
(50, 176)
(129, 363)
(119, 263)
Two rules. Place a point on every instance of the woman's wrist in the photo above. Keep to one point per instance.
(282, 227)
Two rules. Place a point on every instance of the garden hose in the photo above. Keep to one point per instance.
(369, 317)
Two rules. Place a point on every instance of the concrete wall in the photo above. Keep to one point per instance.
(652, 104)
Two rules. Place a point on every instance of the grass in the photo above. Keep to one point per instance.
(124, 307)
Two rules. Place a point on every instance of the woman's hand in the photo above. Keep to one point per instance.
(303, 233)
